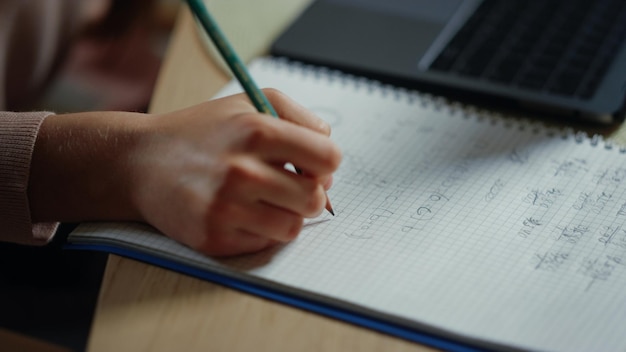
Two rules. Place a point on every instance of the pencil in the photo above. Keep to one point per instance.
(239, 70)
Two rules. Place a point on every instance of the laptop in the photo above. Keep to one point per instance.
(563, 57)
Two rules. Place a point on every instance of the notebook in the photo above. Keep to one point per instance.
(455, 227)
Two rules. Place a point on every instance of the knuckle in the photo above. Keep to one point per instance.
(273, 93)
(239, 175)
(255, 132)
(210, 245)
(233, 174)
(236, 174)
(245, 122)
(216, 237)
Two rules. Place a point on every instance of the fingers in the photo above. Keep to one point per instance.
(278, 142)
(257, 206)
(234, 242)
(250, 180)
(287, 109)
(284, 140)
(268, 221)
(258, 226)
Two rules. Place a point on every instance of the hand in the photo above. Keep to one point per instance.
(212, 176)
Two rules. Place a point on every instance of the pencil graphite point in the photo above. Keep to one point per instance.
(329, 207)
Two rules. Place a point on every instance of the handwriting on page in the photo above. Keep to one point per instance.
(605, 242)
(580, 245)
(568, 229)
(430, 202)
(389, 203)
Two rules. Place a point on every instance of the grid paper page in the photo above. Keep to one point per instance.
(498, 231)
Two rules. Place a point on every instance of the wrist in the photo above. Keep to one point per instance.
(82, 169)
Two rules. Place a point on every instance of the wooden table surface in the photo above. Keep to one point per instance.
(146, 308)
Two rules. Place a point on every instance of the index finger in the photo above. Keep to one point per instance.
(289, 110)
(277, 142)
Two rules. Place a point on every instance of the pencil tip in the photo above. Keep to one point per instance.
(329, 207)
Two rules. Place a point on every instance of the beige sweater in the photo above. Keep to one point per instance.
(34, 34)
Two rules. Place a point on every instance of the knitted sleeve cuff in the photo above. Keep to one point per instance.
(18, 133)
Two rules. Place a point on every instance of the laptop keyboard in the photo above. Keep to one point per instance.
(562, 47)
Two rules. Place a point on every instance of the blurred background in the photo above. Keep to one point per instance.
(114, 65)
(48, 295)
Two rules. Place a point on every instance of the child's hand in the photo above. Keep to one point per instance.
(212, 177)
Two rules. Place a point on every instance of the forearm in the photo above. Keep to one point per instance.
(81, 167)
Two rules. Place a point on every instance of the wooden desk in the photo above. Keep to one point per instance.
(145, 308)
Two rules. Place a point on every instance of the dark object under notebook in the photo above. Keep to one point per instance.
(566, 57)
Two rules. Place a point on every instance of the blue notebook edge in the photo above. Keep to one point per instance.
(303, 303)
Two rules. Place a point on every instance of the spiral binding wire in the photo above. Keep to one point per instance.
(436, 103)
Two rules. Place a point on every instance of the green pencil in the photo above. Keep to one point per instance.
(259, 100)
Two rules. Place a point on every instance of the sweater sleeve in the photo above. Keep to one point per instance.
(18, 133)
(33, 37)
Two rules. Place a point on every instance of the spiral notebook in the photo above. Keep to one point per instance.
(455, 228)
